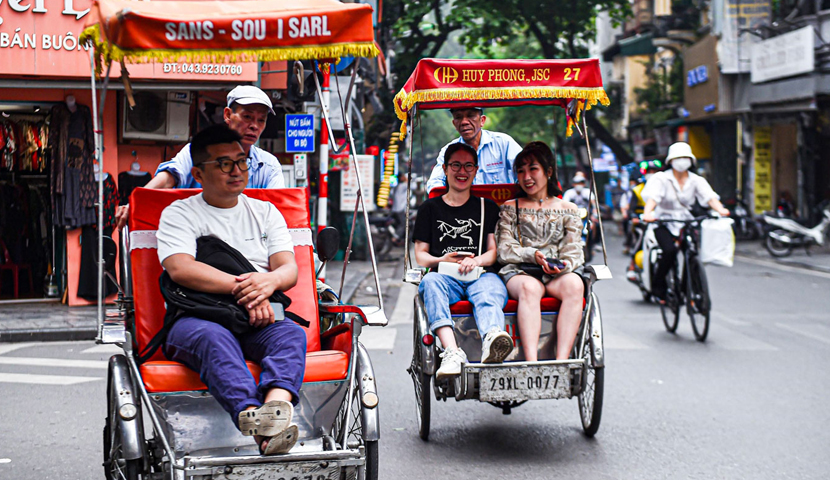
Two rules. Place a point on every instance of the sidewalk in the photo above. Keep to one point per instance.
(818, 259)
(44, 322)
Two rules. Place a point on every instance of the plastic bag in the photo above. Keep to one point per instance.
(717, 242)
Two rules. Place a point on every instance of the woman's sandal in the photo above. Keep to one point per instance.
(269, 420)
(282, 442)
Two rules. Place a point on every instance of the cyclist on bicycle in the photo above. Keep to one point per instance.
(670, 195)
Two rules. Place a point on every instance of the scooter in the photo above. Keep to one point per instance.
(785, 233)
(645, 262)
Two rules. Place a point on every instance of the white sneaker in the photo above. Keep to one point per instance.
(451, 362)
(496, 346)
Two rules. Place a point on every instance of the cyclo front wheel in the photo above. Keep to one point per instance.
(354, 434)
(593, 382)
(670, 309)
(698, 302)
(421, 382)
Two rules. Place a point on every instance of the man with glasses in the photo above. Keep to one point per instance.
(246, 113)
(449, 229)
(495, 150)
(259, 232)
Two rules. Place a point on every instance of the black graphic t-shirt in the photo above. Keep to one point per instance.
(455, 229)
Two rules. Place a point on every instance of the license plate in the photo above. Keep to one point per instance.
(529, 382)
(289, 471)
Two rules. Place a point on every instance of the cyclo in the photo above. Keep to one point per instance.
(574, 85)
(191, 435)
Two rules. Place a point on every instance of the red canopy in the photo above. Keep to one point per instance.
(236, 30)
(449, 83)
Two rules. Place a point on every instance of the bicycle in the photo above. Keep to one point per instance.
(688, 285)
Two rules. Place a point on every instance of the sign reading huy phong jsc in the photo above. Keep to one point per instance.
(299, 133)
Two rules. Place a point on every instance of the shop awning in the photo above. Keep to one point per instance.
(229, 31)
(639, 44)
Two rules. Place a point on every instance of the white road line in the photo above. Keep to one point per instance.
(105, 349)
(53, 362)
(404, 307)
(30, 379)
(785, 268)
(378, 338)
(722, 317)
(809, 330)
(10, 347)
(728, 339)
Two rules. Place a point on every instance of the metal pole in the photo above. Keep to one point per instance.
(98, 159)
(594, 186)
(323, 183)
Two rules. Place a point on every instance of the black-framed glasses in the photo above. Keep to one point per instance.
(227, 166)
(468, 167)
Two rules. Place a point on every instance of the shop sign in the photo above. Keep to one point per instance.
(40, 37)
(783, 56)
(697, 75)
(731, 22)
(763, 169)
(299, 133)
(348, 184)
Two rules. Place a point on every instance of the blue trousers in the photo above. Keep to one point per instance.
(487, 294)
(219, 357)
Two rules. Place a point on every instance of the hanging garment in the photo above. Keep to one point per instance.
(73, 181)
(88, 276)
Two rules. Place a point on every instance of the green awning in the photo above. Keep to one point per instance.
(639, 44)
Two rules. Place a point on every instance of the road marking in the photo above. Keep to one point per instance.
(811, 330)
(5, 460)
(404, 311)
(378, 338)
(785, 268)
(28, 378)
(730, 320)
(728, 339)
(10, 347)
(53, 362)
(106, 348)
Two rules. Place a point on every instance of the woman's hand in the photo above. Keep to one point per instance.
(543, 262)
(649, 217)
(454, 257)
(467, 264)
(253, 288)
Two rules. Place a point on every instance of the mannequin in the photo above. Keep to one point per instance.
(131, 179)
(135, 169)
(71, 104)
(97, 171)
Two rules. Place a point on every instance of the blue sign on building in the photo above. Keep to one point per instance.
(299, 133)
(697, 76)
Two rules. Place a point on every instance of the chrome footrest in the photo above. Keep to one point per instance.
(319, 465)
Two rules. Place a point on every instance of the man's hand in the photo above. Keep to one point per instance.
(254, 288)
(122, 214)
(261, 315)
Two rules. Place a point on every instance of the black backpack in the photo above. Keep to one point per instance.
(222, 309)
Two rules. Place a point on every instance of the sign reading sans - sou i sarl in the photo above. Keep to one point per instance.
(299, 133)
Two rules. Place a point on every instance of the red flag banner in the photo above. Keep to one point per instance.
(209, 30)
(448, 83)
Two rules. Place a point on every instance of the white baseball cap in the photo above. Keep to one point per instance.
(249, 95)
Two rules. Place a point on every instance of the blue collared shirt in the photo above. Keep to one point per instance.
(264, 170)
(496, 153)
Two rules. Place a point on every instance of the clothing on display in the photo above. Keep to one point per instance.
(88, 276)
(129, 181)
(72, 181)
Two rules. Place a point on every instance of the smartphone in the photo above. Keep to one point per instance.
(279, 311)
(466, 254)
(555, 263)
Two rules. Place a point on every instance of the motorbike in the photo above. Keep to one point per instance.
(745, 226)
(645, 260)
(784, 234)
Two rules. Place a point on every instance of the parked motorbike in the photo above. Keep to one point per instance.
(745, 225)
(386, 233)
(783, 234)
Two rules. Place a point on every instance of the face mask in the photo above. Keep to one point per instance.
(579, 188)
(648, 176)
(681, 164)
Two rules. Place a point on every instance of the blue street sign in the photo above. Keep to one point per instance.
(299, 133)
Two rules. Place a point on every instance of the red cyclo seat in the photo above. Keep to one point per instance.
(549, 304)
(163, 376)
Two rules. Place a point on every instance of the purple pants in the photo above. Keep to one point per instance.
(219, 357)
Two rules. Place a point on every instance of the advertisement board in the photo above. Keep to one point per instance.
(783, 56)
(348, 184)
(763, 170)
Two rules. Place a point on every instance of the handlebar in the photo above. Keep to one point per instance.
(695, 220)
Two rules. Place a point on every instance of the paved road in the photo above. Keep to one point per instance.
(749, 403)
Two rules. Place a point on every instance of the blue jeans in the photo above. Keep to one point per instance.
(487, 294)
(219, 357)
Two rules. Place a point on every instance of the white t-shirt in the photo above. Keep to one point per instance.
(255, 228)
(674, 203)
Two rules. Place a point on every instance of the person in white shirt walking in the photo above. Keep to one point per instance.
(670, 195)
(496, 151)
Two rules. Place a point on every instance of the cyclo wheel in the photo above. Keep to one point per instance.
(593, 385)
(422, 383)
(354, 431)
(671, 309)
(698, 302)
(116, 467)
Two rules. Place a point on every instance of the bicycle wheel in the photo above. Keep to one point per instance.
(698, 303)
(421, 382)
(671, 309)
